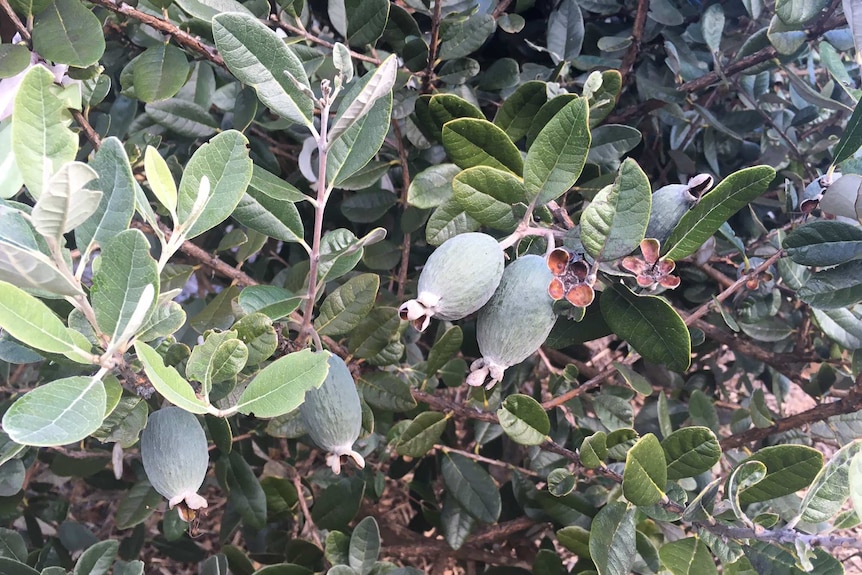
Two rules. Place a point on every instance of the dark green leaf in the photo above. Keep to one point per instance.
(385, 390)
(487, 194)
(789, 468)
(345, 307)
(649, 324)
(851, 139)
(68, 33)
(245, 492)
(422, 433)
(159, 72)
(645, 473)
(690, 451)
(824, 243)
(834, 288)
(524, 420)
(734, 193)
(472, 487)
(471, 142)
(612, 539)
(338, 504)
(516, 114)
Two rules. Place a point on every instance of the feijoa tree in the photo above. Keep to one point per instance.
(574, 286)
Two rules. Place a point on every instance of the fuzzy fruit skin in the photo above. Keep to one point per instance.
(175, 455)
(458, 279)
(516, 321)
(669, 205)
(332, 414)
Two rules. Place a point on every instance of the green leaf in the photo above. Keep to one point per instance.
(258, 334)
(274, 187)
(41, 139)
(690, 451)
(347, 305)
(834, 288)
(12, 545)
(117, 185)
(472, 487)
(364, 546)
(610, 142)
(225, 162)
(645, 473)
(432, 186)
(649, 324)
(139, 503)
(576, 539)
(445, 107)
(386, 391)
(447, 221)
(614, 223)
(517, 112)
(635, 380)
(338, 504)
(789, 468)
(30, 321)
(824, 243)
(799, 12)
(206, 9)
(558, 154)
(460, 38)
(524, 420)
(376, 331)
(471, 142)
(712, 26)
(612, 539)
(57, 413)
(280, 387)
(260, 59)
(160, 179)
(854, 479)
(456, 523)
(689, 556)
(566, 34)
(487, 195)
(31, 269)
(97, 559)
(273, 301)
(68, 33)
(831, 488)
(360, 21)
(734, 193)
(361, 141)
(183, 118)
(159, 72)
(168, 381)
(421, 434)
(245, 492)
(851, 139)
(66, 203)
(594, 450)
(444, 349)
(14, 59)
(561, 482)
(374, 86)
(125, 271)
(219, 358)
(277, 219)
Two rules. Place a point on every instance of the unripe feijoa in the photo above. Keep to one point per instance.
(458, 279)
(175, 456)
(669, 205)
(516, 321)
(332, 414)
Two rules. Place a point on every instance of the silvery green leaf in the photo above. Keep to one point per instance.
(377, 85)
(65, 203)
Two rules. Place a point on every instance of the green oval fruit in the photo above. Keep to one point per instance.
(332, 414)
(175, 455)
(516, 321)
(458, 279)
(669, 205)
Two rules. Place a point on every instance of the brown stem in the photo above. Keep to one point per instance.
(433, 45)
(303, 506)
(182, 38)
(758, 57)
(501, 7)
(637, 35)
(714, 274)
(205, 258)
(488, 460)
(405, 187)
(89, 132)
(22, 29)
(849, 404)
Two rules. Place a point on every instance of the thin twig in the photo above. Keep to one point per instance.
(303, 506)
(433, 45)
(317, 40)
(488, 460)
(91, 134)
(22, 29)
(182, 38)
(637, 35)
(405, 187)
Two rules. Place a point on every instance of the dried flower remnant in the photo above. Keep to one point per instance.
(571, 278)
(651, 271)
